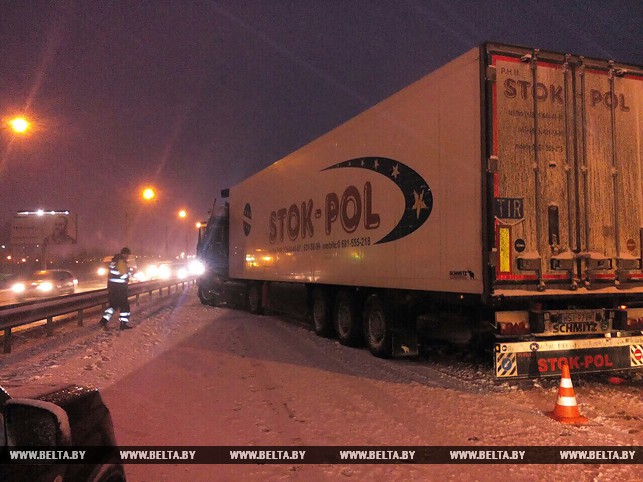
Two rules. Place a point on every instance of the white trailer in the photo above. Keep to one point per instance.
(503, 189)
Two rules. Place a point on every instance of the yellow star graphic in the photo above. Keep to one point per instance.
(419, 203)
(396, 171)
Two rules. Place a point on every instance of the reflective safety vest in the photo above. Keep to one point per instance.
(118, 270)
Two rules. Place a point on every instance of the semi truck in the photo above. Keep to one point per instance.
(501, 193)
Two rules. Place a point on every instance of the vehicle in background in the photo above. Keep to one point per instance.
(191, 269)
(499, 195)
(135, 273)
(45, 283)
(148, 269)
(161, 269)
(178, 269)
(103, 269)
(7, 280)
(55, 418)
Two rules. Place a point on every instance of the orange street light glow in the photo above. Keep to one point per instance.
(148, 194)
(19, 124)
(183, 213)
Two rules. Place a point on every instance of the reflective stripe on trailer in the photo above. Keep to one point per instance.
(506, 365)
(636, 355)
(546, 358)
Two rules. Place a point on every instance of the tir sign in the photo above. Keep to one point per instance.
(509, 208)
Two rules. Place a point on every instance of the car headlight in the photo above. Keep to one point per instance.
(196, 267)
(140, 276)
(18, 287)
(164, 271)
(152, 271)
(46, 286)
(102, 271)
(182, 273)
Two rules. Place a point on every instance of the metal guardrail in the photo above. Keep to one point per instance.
(30, 312)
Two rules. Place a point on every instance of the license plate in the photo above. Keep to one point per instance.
(576, 322)
(579, 317)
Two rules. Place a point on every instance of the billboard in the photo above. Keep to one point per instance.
(48, 228)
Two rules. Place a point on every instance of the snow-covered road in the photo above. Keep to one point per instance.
(195, 375)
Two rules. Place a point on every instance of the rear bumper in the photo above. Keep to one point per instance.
(535, 359)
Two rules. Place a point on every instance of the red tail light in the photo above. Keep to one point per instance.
(634, 324)
(508, 328)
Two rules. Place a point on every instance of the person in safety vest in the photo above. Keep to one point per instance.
(119, 273)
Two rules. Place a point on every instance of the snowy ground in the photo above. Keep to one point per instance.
(195, 375)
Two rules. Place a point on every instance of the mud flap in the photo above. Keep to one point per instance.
(405, 341)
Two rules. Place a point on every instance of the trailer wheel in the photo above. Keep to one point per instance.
(253, 298)
(347, 320)
(322, 313)
(208, 296)
(377, 328)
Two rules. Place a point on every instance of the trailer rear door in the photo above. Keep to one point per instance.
(566, 152)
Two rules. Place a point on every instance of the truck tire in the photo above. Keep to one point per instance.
(347, 320)
(322, 313)
(253, 299)
(377, 327)
(208, 296)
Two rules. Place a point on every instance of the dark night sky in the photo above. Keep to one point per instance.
(194, 96)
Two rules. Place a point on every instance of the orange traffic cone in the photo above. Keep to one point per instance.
(566, 409)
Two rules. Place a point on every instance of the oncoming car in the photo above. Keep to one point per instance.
(45, 283)
(156, 270)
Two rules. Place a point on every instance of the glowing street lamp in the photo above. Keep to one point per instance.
(148, 194)
(183, 214)
(19, 125)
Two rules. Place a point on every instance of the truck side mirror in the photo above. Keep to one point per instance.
(34, 423)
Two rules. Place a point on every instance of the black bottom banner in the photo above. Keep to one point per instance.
(323, 455)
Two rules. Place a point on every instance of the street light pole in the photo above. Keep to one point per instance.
(183, 214)
(128, 231)
(19, 127)
(148, 195)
